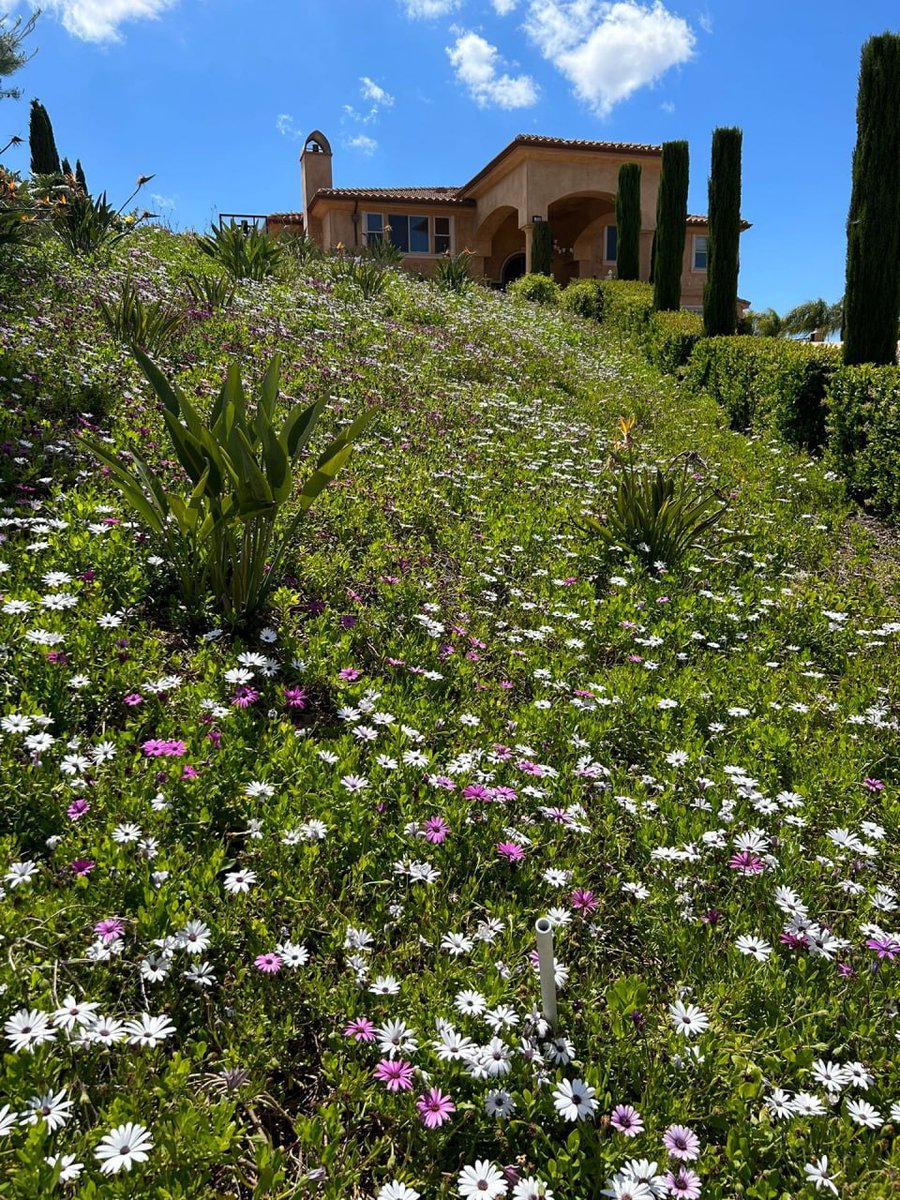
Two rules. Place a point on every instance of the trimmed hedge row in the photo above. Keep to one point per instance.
(864, 434)
(798, 390)
(768, 383)
(670, 337)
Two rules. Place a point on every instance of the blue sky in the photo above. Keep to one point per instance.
(215, 97)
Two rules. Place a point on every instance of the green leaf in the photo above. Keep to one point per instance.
(299, 426)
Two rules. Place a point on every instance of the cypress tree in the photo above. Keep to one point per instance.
(44, 155)
(720, 293)
(872, 298)
(66, 167)
(628, 222)
(541, 248)
(79, 176)
(671, 224)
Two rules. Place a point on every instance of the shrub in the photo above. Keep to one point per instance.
(767, 383)
(670, 338)
(85, 225)
(627, 305)
(539, 289)
(453, 273)
(148, 326)
(243, 254)
(584, 297)
(220, 537)
(864, 433)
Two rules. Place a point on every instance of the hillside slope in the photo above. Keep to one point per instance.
(263, 894)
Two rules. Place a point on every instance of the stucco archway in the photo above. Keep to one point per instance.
(499, 238)
(577, 223)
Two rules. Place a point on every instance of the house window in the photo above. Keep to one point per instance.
(399, 227)
(442, 235)
(700, 251)
(609, 249)
(410, 234)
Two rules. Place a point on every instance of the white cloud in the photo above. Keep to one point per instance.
(504, 7)
(284, 123)
(608, 50)
(667, 106)
(475, 62)
(162, 202)
(429, 8)
(370, 90)
(365, 145)
(705, 22)
(99, 20)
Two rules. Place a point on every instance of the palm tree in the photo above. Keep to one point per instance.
(815, 319)
(766, 323)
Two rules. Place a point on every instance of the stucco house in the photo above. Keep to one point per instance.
(571, 184)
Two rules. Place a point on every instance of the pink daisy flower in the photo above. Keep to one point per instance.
(269, 963)
(396, 1073)
(510, 851)
(435, 1108)
(627, 1120)
(361, 1029)
(681, 1142)
(685, 1185)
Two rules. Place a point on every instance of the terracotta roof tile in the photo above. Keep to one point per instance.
(703, 219)
(409, 195)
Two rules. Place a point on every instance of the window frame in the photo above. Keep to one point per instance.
(384, 217)
(695, 238)
(606, 229)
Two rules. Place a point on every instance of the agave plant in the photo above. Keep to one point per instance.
(243, 253)
(209, 291)
(661, 514)
(453, 272)
(221, 538)
(367, 277)
(148, 326)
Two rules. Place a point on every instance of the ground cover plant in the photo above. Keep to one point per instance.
(269, 900)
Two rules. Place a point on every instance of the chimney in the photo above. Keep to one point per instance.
(315, 169)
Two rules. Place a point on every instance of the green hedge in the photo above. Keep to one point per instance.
(864, 433)
(670, 338)
(626, 305)
(539, 289)
(768, 383)
(584, 297)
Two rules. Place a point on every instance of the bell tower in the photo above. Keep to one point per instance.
(315, 169)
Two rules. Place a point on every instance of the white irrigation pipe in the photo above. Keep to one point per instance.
(547, 968)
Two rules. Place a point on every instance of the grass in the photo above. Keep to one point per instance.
(438, 734)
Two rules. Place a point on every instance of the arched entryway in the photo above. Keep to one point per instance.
(577, 223)
(513, 268)
(499, 239)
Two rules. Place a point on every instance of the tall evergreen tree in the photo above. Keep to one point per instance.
(628, 222)
(671, 225)
(66, 167)
(79, 176)
(720, 293)
(541, 248)
(872, 298)
(44, 155)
